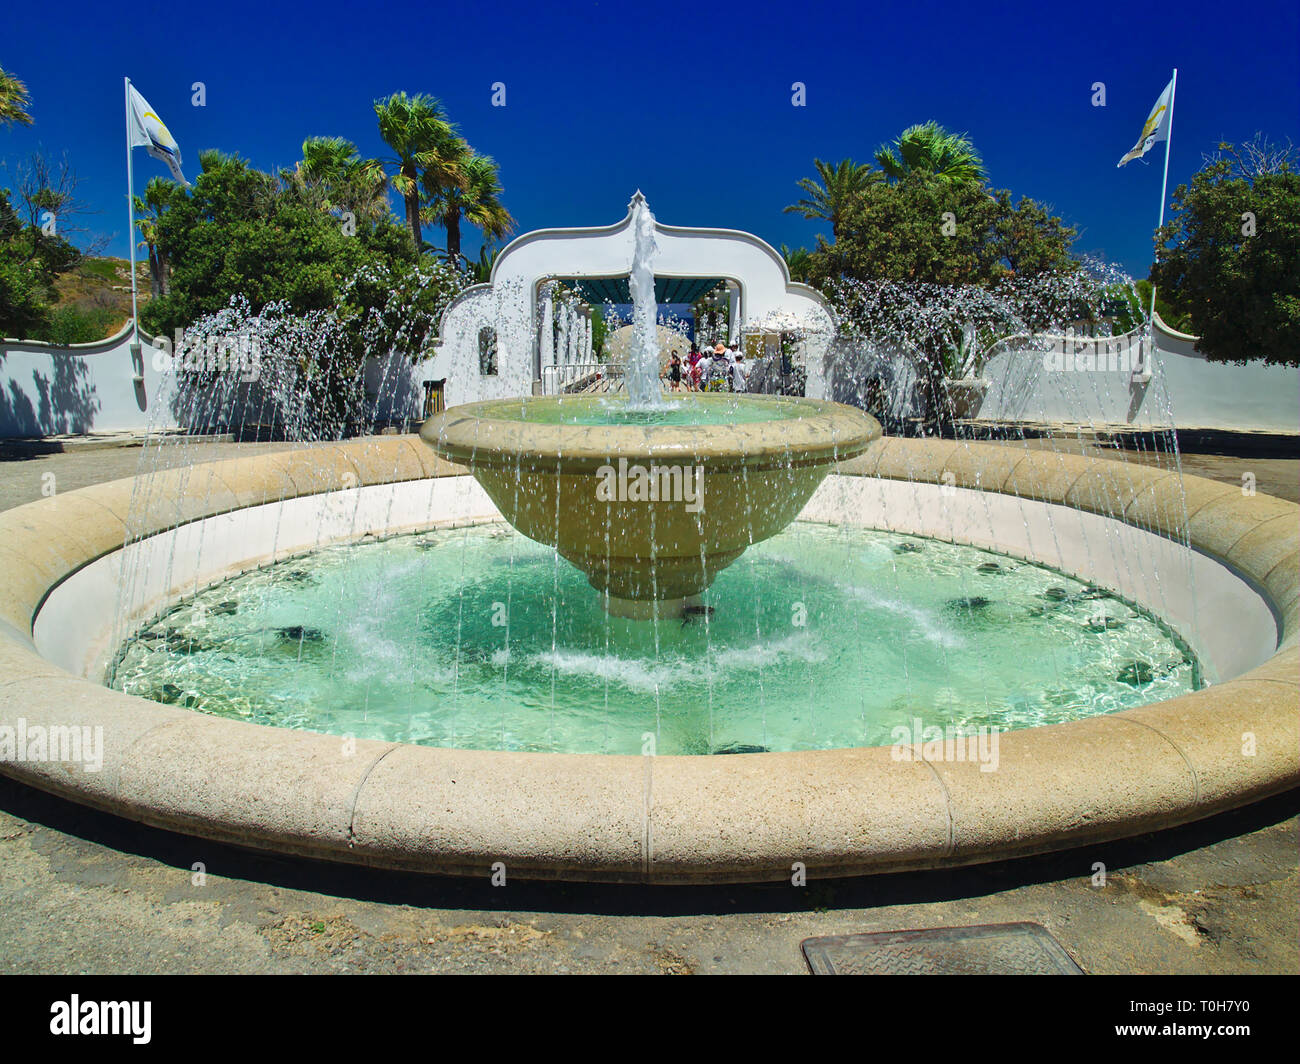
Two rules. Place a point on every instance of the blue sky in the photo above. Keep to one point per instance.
(689, 102)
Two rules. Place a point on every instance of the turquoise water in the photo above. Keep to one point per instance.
(820, 637)
(601, 410)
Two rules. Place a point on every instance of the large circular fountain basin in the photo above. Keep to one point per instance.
(651, 505)
(654, 818)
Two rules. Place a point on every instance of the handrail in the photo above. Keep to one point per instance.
(575, 376)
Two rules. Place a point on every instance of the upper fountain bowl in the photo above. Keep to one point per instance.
(650, 504)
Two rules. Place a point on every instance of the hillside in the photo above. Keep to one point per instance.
(94, 300)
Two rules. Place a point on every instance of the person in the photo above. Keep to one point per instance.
(704, 367)
(675, 373)
(692, 368)
(721, 366)
(739, 373)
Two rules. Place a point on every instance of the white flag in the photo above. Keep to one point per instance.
(1155, 130)
(146, 130)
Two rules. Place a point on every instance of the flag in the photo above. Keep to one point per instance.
(1155, 130)
(146, 130)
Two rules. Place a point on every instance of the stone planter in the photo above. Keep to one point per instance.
(964, 397)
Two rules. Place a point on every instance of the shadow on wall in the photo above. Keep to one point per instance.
(884, 382)
(66, 403)
(393, 388)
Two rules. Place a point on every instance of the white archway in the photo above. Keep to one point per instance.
(766, 297)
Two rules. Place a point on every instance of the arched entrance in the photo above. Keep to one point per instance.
(594, 263)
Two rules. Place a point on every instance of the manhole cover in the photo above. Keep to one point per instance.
(984, 949)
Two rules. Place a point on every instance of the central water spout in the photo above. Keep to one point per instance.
(642, 370)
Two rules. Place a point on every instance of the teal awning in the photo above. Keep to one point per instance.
(598, 290)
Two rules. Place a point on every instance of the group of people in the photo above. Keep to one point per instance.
(719, 368)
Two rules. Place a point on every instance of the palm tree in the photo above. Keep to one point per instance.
(333, 175)
(477, 201)
(148, 212)
(929, 148)
(14, 100)
(798, 261)
(326, 159)
(426, 146)
(840, 184)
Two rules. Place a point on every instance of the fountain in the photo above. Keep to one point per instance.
(650, 497)
(341, 650)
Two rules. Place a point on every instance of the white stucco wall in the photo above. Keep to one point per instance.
(47, 390)
(100, 388)
(1093, 381)
(1081, 380)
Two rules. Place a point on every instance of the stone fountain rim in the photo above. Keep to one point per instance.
(663, 819)
(833, 432)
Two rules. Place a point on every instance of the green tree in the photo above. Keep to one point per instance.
(940, 262)
(14, 100)
(397, 305)
(928, 229)
(149, 208)
(1133, 303)
(1227, 259)
(30, 260)
(599, 331)
(929, 148)
(428, 153)
(240, 231)
(841, 185)
(1027, 239)
(481, 272)
(24, 281)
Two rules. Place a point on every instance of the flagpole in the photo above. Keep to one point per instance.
(1164, 183)
(1143, 371)
(130, 213)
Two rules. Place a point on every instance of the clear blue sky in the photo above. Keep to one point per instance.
(690, 103)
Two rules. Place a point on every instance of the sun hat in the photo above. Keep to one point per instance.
(719, 349)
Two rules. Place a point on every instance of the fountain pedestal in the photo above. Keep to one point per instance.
(650, 512)
(649, 609)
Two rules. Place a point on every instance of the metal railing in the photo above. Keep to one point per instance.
(581, 377)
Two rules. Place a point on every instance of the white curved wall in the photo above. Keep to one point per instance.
(100, 388)
(47, 390)
(1087, 381)
(1092, 381)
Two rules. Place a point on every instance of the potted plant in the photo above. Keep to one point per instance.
(963, 388)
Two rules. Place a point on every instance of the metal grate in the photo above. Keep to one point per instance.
(982, 949)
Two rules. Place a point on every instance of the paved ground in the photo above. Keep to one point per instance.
(25, 474)
(84, 892)
(1272, 476)
(1279, 477)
